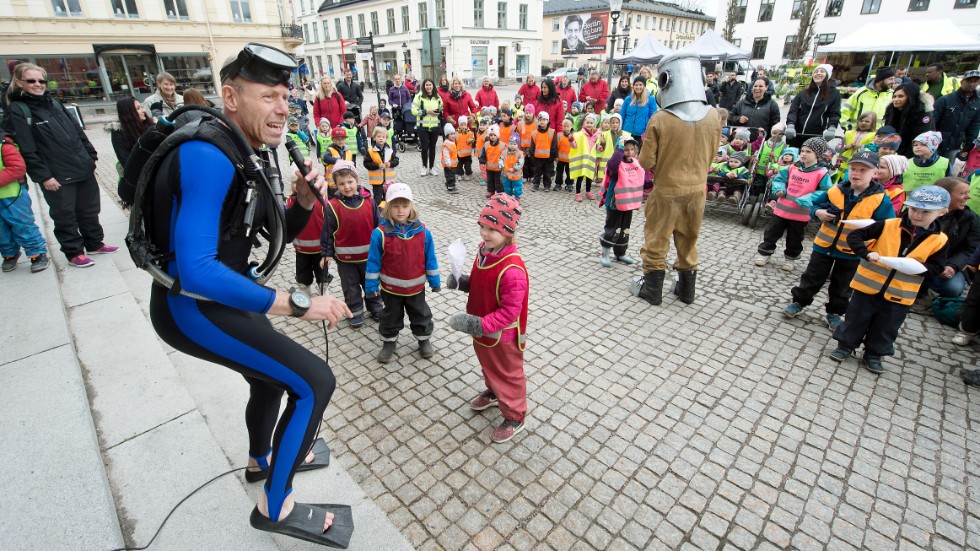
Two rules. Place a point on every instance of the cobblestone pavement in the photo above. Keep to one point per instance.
(718, 425)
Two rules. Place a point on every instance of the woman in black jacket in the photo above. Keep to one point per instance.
(134, 121)
(910, 114)
(962, 226)
(622, 90)
(60, 157)
(756, 110)
(814, 111)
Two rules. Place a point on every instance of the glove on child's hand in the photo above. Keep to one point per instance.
(467, 323)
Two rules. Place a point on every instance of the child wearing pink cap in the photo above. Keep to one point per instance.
(496, 315)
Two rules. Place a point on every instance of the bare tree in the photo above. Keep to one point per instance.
(690, 5)
(731, 12)
(804, 34)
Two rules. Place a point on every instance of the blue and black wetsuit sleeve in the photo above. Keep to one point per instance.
(206, 178)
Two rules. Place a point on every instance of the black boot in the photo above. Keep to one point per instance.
(652, 290)
(685, 286)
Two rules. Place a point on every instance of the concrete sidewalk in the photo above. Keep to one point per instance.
(164, 423)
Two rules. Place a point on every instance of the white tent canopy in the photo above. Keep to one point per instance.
(648, 51)
(938, 35)
(712, 47)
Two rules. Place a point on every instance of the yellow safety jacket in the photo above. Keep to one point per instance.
(833, 235)
(873, 278)
(581, 158)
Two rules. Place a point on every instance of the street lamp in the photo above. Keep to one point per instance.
(615, 6)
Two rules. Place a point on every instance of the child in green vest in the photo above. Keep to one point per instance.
(322, 138)
(298, 137)
(927, 166)
(355, 140)
(17, 227)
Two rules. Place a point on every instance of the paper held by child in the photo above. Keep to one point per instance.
(905, 265)
(457, 257)
(858, 224)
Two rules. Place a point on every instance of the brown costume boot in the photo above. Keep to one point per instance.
(652, 290)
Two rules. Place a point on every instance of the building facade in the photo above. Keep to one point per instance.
(500, 39)
(768, 28)
(573, 37)
(101, 50)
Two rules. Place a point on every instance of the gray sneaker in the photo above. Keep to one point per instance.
(39, 263)
(833, 321)
(793, 310)
(10, 262)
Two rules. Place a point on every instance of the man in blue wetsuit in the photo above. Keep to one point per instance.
(196, 214)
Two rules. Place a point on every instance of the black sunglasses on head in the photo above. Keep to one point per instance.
(262, 64)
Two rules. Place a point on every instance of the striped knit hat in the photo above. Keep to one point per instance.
(897, 164)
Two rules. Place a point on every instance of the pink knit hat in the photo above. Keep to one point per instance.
(529, 109)
(501, 213)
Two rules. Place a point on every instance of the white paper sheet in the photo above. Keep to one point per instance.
(457, 257)
(858, 224)
(905, 265)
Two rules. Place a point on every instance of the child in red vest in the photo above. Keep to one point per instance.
(621, 193)
(792, 187)
(350, 217)
(496, 315)
(309, 267)
(401, 258)
(17, 227)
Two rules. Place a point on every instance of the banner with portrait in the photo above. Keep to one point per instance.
(584, 33)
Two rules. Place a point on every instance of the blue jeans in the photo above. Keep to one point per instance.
(952, 287)
(17, 228)
(514, 188)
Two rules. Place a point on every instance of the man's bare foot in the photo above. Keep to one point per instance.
(287, 507)
(253, 465)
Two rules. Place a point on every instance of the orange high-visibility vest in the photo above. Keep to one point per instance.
(542, 143)
(564, 148)
(506, 132)
(450, 159)
(493, 156)
(872, 278)
(526, 130)
(510, 162)
(464, 143)
(830, 235)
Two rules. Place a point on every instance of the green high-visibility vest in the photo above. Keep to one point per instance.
(917, 176)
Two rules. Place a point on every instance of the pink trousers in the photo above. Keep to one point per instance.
(503, 372)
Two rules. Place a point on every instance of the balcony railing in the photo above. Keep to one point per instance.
(292, 31)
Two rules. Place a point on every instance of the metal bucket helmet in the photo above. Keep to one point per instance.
(682, 81)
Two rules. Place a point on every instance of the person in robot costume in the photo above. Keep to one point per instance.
(680, 141)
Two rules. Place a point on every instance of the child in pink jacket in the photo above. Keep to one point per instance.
(496, 315)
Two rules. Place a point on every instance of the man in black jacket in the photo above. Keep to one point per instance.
(957, 116)
(730, 91)
(352, 93)
(59, 157)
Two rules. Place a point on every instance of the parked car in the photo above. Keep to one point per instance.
(570, 72)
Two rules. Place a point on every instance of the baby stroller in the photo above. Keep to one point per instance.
(748, 195)
(405, 133)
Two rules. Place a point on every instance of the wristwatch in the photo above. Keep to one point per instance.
(299, 301)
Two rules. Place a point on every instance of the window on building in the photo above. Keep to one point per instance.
(554, 47)
(919, 5)
(176, 9)
(870, 6)
(554, 24)
(737, 42)
(661, 24)
(337, 29)
(440, 13)
(240, 12)
(423, 16)
(501, 15)
(478, 14)
(316, 32)
(788, 46)
(646, 22)
(189, 70)
(795, 12)
(960, 4)
(740, 11)
(361, 24)
(406, 25)
(824, 39)
(330, 64)
(834, 7)
(522, 20)
(65, 8)
(391, 20)
(326, 32)
(350, 26)
(653, 23)
(759, 48)
(306, 33)
(375, 26)
(125, 9)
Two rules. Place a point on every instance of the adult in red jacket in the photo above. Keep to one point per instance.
(529, 91)
(596, 89)
(550, 102)
(486, 95)
(329, 104)
(567, 92)
(460, 103)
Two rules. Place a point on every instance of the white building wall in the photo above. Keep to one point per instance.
(850, 20)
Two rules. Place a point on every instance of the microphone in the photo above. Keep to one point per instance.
(300, 163)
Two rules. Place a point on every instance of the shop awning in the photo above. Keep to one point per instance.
(649, 50)
(712, 47)
(911, 35)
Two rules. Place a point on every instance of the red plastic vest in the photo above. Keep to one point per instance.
(308, 240)
(485, 297)
(798, 184)
(352, 239)
(403, 264)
